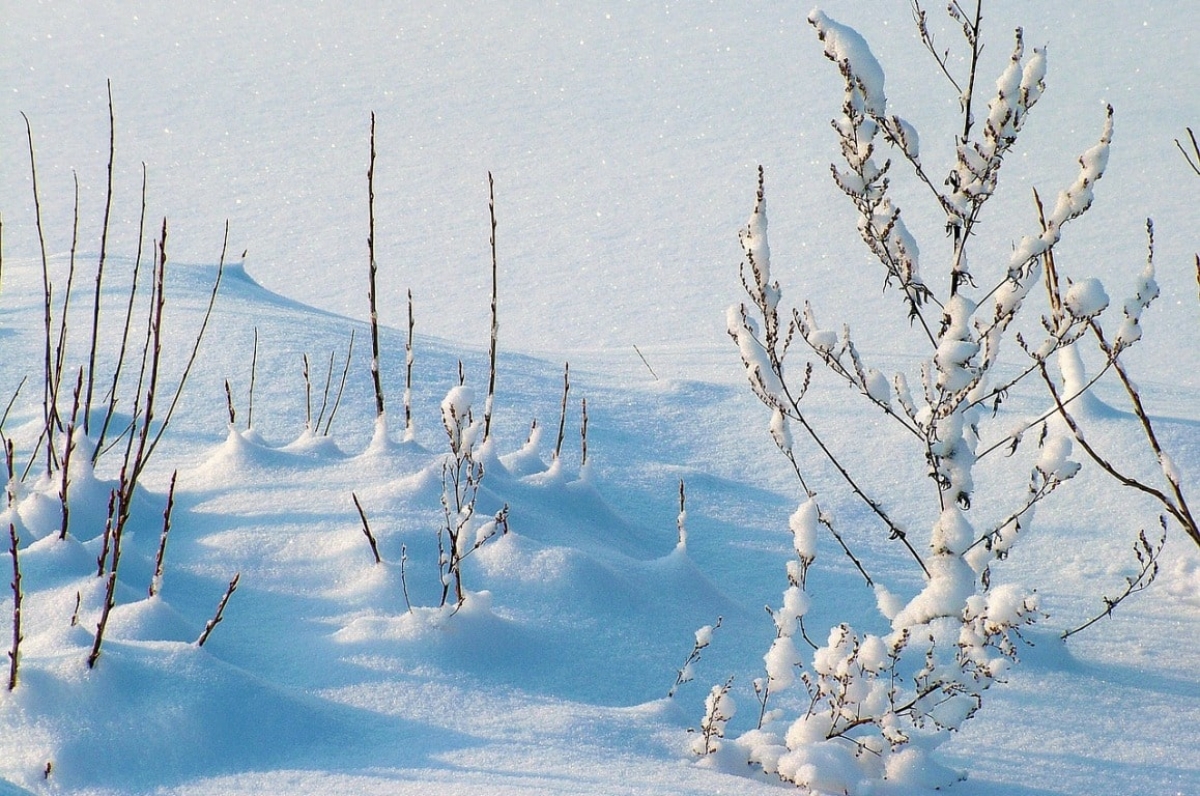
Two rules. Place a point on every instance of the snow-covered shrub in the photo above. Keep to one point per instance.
(876, 705)
(462, 532)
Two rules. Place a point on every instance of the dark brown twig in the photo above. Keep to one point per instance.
(491, 393)
(91, 368)
(160, 556)
(375, 377)
(366, 529)
(220, 614)
(562, 417)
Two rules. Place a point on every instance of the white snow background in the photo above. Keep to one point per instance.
(623, 139)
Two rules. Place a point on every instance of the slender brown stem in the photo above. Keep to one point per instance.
(48, 399)
(366, 528)
(137, 266)
(64, 487)
(91, 369)
(14, 655)
(562, 417)
(342, 386)
(491, 393)
(375, 377)
(408, 370)
(253, 374)
(160, 556)
(220, 614)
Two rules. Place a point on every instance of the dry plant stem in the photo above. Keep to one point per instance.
(187, 369)
(14, 655)
(375, 377)
(1147, 556)
(325, 393)
(253, 373)
(644, 362)
(491, 393)
(229, 403)
(220, 614)
(681, 531)
(307, 396)
(408, 369)
(161, 555)
(895, 531)
(1195, 153)
(47, 398)
(1177, 508)
(91, 368)
(562, 417)
(60, 349)
(341, 386)
(366, 528)
(919, 17)
(404, 576)
(106, 539)
(137, 266)
(683, 673)
(583, 425)
(65, 483)
(110, 590)
(11, 401)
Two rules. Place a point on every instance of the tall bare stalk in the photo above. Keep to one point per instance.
(491, 393)
(117, 369)
(14, 655)
(91, 368)
(48, 399)
(371, 295)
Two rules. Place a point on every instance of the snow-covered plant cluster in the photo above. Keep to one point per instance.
(462, 532)
(875, 706)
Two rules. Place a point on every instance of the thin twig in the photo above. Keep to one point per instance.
(375, 377)
(160, 556)
(408, 371)
(562, 418)
(491, 393)
(48, 400)
(220, 614)
(137, 265)
(644, 362)
(341, 386)
(1147, 556)
(366, 528)
(91, 369)
(1195, 164)
(253, 374)
(14, 655)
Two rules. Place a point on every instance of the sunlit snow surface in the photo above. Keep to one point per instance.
(623, 140)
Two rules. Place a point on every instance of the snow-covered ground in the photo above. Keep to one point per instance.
(623, 140)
